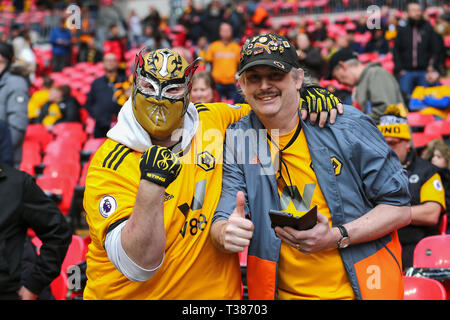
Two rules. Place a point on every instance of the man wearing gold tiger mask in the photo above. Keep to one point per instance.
(161, 90)
(149, 206)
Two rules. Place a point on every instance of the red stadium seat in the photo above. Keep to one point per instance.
(59, 286)
(60, 188)
(440, 127)
(68, 127)
(432, 252)
(93, 144)
(444, 224)
(39, 133)
(421, 139)
(63, 149)
(31, 156)
(74, 254)
(423, 289)
(87, 241)
(67, 168)
(84, 171)
(416, 119)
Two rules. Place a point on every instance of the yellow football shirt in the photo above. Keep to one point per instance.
(193, 268)
(300, 276)
(36, 102)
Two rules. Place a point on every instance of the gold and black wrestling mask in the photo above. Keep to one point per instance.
(161, 90)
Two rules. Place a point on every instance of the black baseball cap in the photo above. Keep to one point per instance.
(268, 49)
(343, 55)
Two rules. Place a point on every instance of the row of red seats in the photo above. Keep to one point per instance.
(430, 252)
(425, 128)
(61, 163)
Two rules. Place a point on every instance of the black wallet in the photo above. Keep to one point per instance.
(284, 219)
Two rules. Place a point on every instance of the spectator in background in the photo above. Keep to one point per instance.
(329, 48)
(90, 53)
(148, 36)
(24, 205)
(152, 19)
(13, 101)
(377, 42)
(391, 28)
(61, 41)
(224, 55)
(320, 31)
(203, 88)
(213, 20)
(442, 29)
(415, 49)
(235, 17)
(361, 25)
(135, 29)
(6, 148)
(39, 99)
(425, 184)
(433, 98)
(100, 104)
(374, 88)
(154, 38)
(61, 107)
(116, 43)
(25, 59)
(260, 17)
(193, 19)
(200, 51)
(352, 44)
(309, 57)
(438, 153)
(86, 34)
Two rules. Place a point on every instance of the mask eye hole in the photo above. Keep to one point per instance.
(147, 87)
(176, 91)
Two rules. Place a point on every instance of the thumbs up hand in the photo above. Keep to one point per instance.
(239, 230)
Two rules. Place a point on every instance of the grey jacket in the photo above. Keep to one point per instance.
(14, 98)
(365, 173)
(376, 89)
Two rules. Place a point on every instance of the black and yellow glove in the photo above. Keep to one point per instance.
(318, 99)
(159, 165)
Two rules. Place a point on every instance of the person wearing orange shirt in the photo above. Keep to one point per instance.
(224, 55)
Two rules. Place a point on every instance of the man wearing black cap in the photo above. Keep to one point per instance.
(13, 101)
(347, 170)
(375, 88)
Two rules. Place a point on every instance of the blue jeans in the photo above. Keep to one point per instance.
(410, 79)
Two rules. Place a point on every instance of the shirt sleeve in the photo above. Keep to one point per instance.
(433, 190)
(109, 194)
(384, 179)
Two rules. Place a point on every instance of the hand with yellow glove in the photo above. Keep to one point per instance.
(316, 99)
(159, 165)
